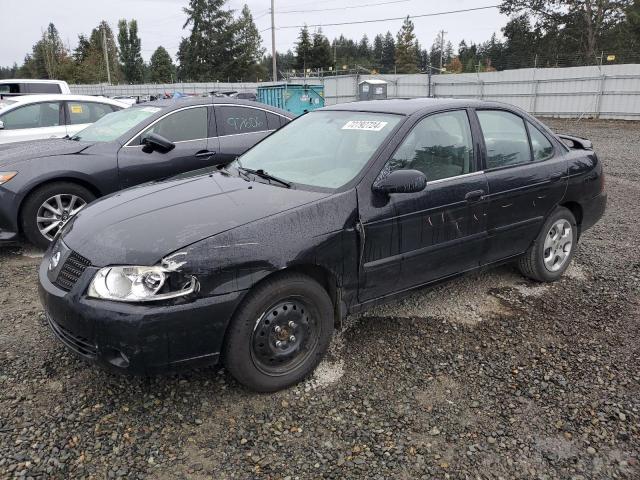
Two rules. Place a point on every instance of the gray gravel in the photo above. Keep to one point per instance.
(491, 376)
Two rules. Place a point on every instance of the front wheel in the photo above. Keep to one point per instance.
(280, 333)
(49, 207)
(550, 254)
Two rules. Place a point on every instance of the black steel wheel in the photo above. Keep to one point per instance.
(280, 332)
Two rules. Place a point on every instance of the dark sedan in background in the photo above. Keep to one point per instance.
(253, 263)
(44, 183)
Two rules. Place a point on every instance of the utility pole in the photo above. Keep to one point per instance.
(273, 42)
(442, 33)
(106, 53)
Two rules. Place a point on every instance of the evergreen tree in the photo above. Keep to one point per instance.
(49, 58)
(364, 49)
(376, 51)
(248, 47)
(130, 59)
(205, 54)
(161, 68)
(303, 50)
(405, 54)
(388, 59)
(320, 51)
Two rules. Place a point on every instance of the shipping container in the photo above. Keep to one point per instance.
(294, 98)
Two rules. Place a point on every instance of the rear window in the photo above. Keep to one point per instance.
(87, 112)
(44, 88)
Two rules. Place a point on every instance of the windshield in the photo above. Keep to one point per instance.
(115, 124)
(321, 149)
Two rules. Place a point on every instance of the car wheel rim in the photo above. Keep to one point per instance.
(557, 245)
(284, 337)
(56, 211)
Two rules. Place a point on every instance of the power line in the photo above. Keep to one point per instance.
(358, 22)
(343, 8)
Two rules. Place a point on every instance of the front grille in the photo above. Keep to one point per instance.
(80, 345)
(73, 268)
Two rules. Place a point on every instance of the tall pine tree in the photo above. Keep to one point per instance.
(131, 61)
(303, 49)
(406, 49)
(388, 54)
(248, 48)
(161, 68)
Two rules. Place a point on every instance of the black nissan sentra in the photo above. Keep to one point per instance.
(253, 264)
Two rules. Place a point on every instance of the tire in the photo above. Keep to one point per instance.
(266, 359)
(73, 198)
(550, 255)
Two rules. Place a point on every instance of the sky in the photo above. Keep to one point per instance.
(160, 21)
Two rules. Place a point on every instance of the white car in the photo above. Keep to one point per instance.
(34, 117)
(13, 87)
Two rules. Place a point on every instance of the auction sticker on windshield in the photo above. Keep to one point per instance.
(373, 125)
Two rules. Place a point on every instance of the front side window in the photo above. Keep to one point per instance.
(505, 138)
(540, 145)
(37, 115)
(87, 112)
(322, 149)
(116, 124)
(440, 146)
(237, 120)
(182, 126)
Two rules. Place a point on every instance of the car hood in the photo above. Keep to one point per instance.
(12, 154)
(145, 223)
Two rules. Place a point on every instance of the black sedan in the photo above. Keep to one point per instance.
(44, 183)
(344, 208)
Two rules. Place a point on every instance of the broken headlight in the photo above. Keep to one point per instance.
(141, 284)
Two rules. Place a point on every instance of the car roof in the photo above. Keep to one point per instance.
(46, 97)
(188, 101)
(409, 106)
(30, 80)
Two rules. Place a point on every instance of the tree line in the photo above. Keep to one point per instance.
(221, 45)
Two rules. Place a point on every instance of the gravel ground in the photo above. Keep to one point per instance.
(491, 376)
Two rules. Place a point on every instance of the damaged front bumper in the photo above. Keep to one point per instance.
(136, 338)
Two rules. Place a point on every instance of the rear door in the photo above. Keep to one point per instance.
(188, 129)
(527, 178)
(79, 115)
(240, 127)
(33, 122)
(412, 239)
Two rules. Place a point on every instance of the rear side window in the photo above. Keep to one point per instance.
(9, 88)
(540, 145)
(43, 88)
(37, 115)
(87, 112)
(273, 121)
(440, 146)
(182, 126)
(235, 120)
(505, 138)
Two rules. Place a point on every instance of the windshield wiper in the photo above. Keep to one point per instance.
(262, 174)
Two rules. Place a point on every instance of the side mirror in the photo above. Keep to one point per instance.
(401, 181)
(1, 125)
(157, 142)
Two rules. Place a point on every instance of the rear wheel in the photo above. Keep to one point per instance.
(550, 254)
(49, 207)
(280, 333)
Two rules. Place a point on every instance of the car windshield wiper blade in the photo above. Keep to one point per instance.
(262, 174)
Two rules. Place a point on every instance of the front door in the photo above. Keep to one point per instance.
(188, 129)
(527, 178)
(33, 122)
(416, 238)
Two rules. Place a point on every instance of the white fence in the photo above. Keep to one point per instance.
(610, 91)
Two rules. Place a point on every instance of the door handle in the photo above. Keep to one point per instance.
(474, 196)
(205, 153)
(555, 177)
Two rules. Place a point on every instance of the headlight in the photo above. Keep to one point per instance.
(6, 176)
(141, 284)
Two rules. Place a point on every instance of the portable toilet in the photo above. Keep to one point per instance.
(372, 89)
(292, 97)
